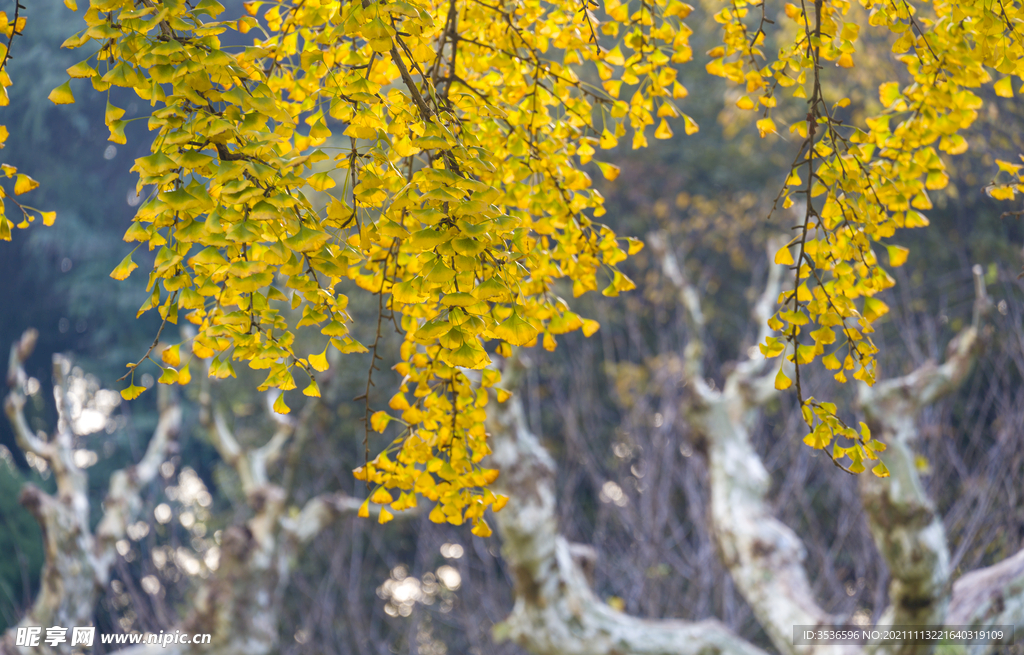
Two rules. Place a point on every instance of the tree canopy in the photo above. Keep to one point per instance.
(461, 197)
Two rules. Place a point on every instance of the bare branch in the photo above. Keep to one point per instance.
(232, 454)
(762, 389)
(317, 514)
(990, 596)
(930, 382)
(123, 504)
(267, 454)
(764, 556)
(14, 403)
(694, 354)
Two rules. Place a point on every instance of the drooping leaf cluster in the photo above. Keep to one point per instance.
(446, 136)
(11, 26)
(858, 184)
(432, 153)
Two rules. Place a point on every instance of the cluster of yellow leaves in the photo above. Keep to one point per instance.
(868, 182)
(22, 183)
(440, 458)
(821, 418)
(456, 195)
(1007, 190)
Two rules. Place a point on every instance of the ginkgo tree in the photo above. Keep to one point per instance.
(433, 153)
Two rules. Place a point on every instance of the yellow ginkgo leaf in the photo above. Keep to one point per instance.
(399, 402)
(610, 171)
(124, 269)
(663, 131)
(516, 330)
(279, 405)
(608, 140)
(62, 94)
(772, 347)
(319, 362)
(874, 308)
(766, 126)
(468, 355)
(481, 529)
(820, 438)
(1004, 87)
(169, 376)
(379, 421)
(322, 181)
(782, 381)
(307, 240)
(436, 515)
(897, 255)
(81, 69)
(23, 184)
(313, 390)
(784, 257)
(319, 130)
(132, 392)
(171, 355)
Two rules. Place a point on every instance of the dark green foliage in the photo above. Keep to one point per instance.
(21, 546)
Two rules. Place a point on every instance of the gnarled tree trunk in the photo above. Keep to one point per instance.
(555, 610)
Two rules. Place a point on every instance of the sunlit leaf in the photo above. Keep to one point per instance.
(379, 422)
(124, 269)
(132, 392)
(171, 356)
(23, 184)
(279, 405)
(62, 94)
(319, 362)
(516, 330)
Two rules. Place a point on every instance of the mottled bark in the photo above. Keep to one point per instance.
(902, 518)
(990, 596)
(240, 604)
(77, 560)
(556, 612)
(763, 555)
